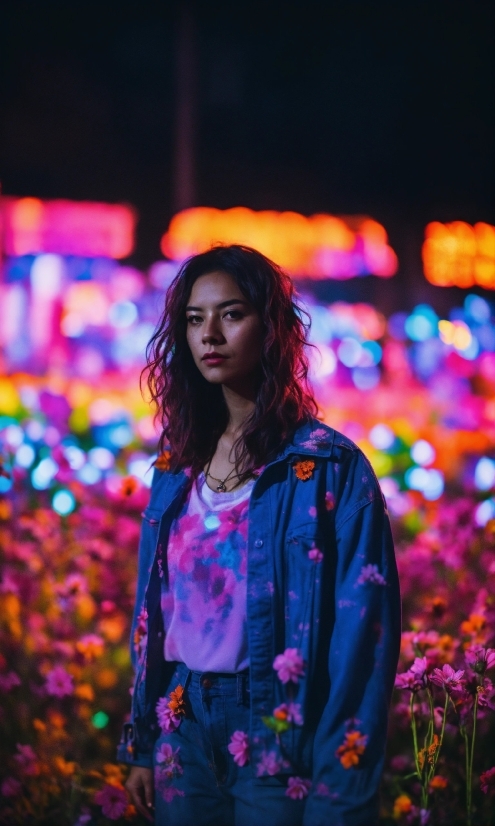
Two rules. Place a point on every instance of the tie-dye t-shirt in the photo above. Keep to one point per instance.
(204, 606)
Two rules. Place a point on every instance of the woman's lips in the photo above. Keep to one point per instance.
(213, 359)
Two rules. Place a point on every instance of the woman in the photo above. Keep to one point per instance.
(267, 622)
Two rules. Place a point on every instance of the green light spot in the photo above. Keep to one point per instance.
(100, 719)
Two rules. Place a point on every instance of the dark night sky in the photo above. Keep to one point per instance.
(383, 108)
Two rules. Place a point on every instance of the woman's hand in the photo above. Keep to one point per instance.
(140, 787)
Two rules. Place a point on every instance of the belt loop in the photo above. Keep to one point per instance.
(240, 686)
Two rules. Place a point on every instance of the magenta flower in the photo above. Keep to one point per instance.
(10, 787)
(447, 678)
(269, 764)
(415, 678)
(169, 760)
(9, 681)
(289, 666)
(59, 682)
(486, 694)
(480, 659)
(297, 788)
(370, 573)
(315, 555)
(113, 801)
(487, 781)
(167, 720)
(239, 747)
(26, 759)
(290, 712)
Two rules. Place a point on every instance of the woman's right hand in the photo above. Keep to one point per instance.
(140, 787)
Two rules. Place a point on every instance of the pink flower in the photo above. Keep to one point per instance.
(269, 764)
(113, 801)
(416, 678)
(329, 500)
(9, 681)
(234, 519)
(289, 665)
(487, 781)
(297, 788)
(486, 695)
(447, 678)
(315, 554)
(167, 720)
(26, 759)
(10, 787)
(370, 573)
(59, 682)
(290, 712)
(239, 747)
(169, 760)
(480, 659)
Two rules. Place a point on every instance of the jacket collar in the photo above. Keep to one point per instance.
(311, 439)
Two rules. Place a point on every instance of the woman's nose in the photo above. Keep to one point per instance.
(211, 332)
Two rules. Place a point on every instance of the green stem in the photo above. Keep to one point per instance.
(415, 735)
(442, 732)
(469, 764)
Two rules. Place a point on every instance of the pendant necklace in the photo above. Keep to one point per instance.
(221, 482)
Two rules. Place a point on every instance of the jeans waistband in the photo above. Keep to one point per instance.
(235, 685)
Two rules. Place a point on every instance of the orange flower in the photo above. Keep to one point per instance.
(281, 713)
(163, 461)
(304, 469)
(402, 805)
(428, 754)
(177, 703)
(129, 486)
(64, 767)
(475, 627)
(351, 749)
(438, 782)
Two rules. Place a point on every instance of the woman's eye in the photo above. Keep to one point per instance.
(234, 314)
(193, 319)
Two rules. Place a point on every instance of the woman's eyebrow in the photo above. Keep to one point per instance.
(222, 304)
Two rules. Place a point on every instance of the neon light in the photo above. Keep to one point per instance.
(460, 255)
(321, 246)
(32, 226)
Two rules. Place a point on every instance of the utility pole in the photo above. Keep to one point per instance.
(184, 151)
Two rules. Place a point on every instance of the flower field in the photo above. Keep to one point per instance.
(74, 476)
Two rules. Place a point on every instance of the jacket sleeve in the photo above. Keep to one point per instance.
(136, 743)
(364, 647)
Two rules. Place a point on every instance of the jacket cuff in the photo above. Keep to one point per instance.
(127, 751)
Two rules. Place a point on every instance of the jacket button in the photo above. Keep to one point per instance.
(258, 543)
(206, 683)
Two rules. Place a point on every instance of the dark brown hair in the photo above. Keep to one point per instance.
(192, 410)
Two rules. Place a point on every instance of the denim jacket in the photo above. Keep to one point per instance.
(322, 580)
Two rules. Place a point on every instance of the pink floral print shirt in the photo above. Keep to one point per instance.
(204, 604)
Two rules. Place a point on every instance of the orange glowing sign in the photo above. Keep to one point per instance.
(460, 255)
(321, 246)
(92, 230)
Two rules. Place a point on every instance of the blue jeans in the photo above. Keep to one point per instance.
(197, 782)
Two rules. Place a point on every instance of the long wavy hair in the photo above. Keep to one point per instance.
(192, 411)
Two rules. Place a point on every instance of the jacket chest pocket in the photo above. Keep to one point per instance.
(303, 559)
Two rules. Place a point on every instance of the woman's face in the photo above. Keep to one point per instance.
(224, 331)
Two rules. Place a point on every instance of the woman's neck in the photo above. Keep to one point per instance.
(240, 407)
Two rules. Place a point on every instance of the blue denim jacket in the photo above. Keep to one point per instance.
(338, 606)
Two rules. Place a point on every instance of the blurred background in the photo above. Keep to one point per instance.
(353, 143)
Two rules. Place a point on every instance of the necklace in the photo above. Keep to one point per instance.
(221, 486)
